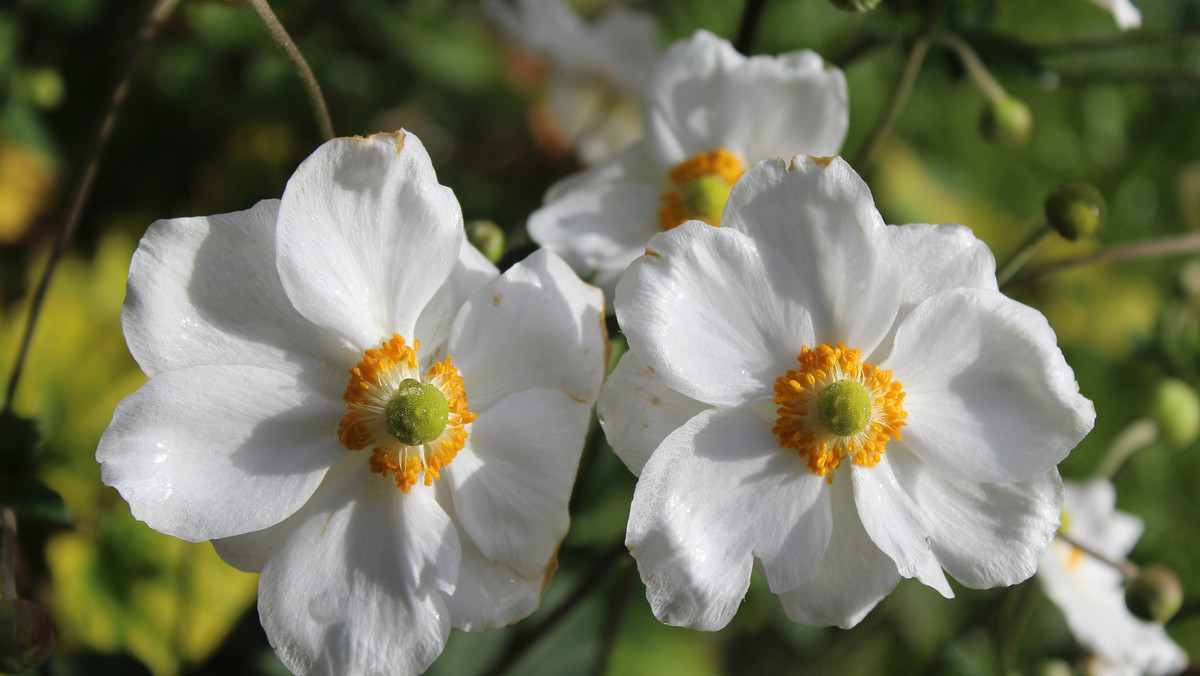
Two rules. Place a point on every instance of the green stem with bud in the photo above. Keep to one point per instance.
(1167, 246)
(1023, 253)
(975, 68)
(285, 42)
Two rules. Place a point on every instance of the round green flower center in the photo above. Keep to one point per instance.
(417, 413)
(706, 197)
(844, 408)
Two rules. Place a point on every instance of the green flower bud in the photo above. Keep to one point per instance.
(26, 636)
(1075, 210)
(854, 5)
(1155, 595)
(417, 413)
(844, 408)
(1176, 410)
(1006, 122)
(487, 237)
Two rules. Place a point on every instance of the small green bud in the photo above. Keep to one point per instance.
(1176, 410)
(417, 413)
(1075, 210)
(854, 5)
(1006, 121)
(487, 237)
(844, 408)
(706, 197)
(26, 636)
(1155, 595)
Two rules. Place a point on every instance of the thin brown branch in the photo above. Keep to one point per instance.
(1168, 246)
(278, 33)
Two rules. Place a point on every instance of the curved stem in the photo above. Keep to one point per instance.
(1127, 569)
(1168, 246)
(970, 60)
(751, 14)
(1023, 253)
(281, 37)
(1140, 434)
(903, 87)
(83, 190)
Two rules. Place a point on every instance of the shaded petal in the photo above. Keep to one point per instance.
(250, 552)
(512, 481)
(1091, 518)
(366, 236)
(204, 291)
(833, 244)
(624, 41)
(717, 316)
(718, 493)
(355, 589)
(535, 326)
(853, 577)
(800, 107)
(989, 395)
(896, 524)
(214, 451)
(638, 411)
(984, 534)
(470, 273)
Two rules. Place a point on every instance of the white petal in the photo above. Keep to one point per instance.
(535, 326)
(624, 42)
(490, 594)
(989, 395)
(1091, 518)
(718, 493)
(512, 481)
(800, 107)
(817, 215)
(356, 587)
(250, 552)
(896, 523)
(470, 273)
(681, 118)
(638, 411)
(204, 291)
(214, 451)
(717, 316)
(984, 534)
(366, 236)
(853, 577)
(1125, 12)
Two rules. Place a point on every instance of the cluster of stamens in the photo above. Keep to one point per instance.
(834, 407)
(418, 442)
(702, 183)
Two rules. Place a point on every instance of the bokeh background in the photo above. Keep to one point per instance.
(217, 120)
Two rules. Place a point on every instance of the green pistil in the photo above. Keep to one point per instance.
(844, 408)
(706, 196)
(417, 413)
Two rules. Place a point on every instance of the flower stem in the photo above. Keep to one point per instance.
(1125, 568)
(1024, 599)
(1168, 246)
(83, 190)
(751, 13)
(8, 554)
(970, 60)
(1023, 253)
(902, 88)
(1139, 434)
(285, 42)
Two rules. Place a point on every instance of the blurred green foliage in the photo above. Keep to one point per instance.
(217, 120)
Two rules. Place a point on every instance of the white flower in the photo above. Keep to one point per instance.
(252, 432)
(834, 402)
(1090, 592)
(597, 71)
(1126, 14)
(710, 114)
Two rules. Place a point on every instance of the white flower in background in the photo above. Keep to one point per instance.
(710, 114)
(1123, 11)
(347, 398)
(598, 70)
(1090, 592)
(834, 402)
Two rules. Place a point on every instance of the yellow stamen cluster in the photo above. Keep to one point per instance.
(699, 176)
(799, 425)
(373, 382)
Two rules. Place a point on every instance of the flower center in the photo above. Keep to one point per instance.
(413, 425)
(834, 406)
(701, 187)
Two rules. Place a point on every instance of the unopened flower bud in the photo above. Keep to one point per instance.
(854, 5)
(1075, 210)
(26, 635)
(1006, 121)
(1176, 410)
(1155, 595)
(487, 237)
